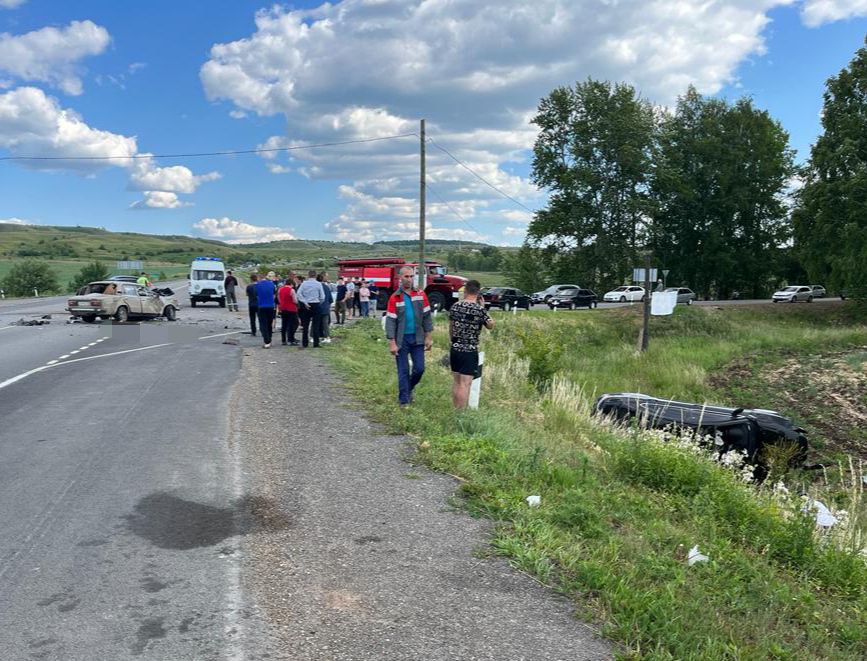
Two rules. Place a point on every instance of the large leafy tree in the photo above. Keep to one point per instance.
(831, 217)
(89, 273)
(27, 275)
(594, 154)
(719, 217)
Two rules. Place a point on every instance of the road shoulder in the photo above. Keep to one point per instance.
(374, 563)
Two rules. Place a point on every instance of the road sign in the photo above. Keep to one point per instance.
(135, 265)
(665, 273)
(638, 275)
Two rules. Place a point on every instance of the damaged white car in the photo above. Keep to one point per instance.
(106, 299)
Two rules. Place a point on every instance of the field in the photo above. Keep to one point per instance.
(621, 508)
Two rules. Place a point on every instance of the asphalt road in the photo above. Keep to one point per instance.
(120, 497)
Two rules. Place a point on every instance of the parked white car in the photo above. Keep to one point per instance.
(793, 294)
(818, 291)
(627, 293)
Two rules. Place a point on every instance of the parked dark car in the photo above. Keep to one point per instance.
(574, 298)
(750, 430)
(505, 298)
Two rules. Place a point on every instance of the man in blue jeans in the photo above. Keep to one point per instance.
(409, 329)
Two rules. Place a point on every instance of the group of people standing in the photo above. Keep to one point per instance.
(303, 302)
(306, 302)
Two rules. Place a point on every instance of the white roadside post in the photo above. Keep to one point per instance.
(36, 292)
(476, 387)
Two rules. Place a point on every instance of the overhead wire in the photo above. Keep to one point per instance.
(228, 152)
(480, 177)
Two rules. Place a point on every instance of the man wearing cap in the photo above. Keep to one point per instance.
(229, 284)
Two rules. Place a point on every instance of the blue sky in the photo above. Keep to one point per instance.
(101, 77)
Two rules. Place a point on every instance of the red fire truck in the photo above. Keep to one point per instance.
(442, 289)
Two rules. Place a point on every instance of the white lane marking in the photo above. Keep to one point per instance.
(84, 348)
(72, 353)
(7, 327)
(205, 337)
(92, 344)
(52, 362)
(24, 375)
(64, 356)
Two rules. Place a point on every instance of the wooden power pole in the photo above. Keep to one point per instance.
(644, 336)
(422, 273)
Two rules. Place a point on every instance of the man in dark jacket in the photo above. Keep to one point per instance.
(252, 303)
(325, 308)
(229, 284)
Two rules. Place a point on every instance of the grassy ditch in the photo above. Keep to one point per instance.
(620, 509)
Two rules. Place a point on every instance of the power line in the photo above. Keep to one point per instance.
(230, 152)
(480, 177)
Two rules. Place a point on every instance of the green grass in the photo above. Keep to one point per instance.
(67, 269)
(621, 508)
(486, 278)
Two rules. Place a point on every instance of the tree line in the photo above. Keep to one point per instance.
(710, 188)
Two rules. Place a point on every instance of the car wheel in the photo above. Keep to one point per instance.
(170, 313)
(88, 318)
(809, 299)
(550, 307)
(571, 306)
(507, 307)
(192, 304)
(222, 302)
(689, 301)
(122, 314)
(623, 299)
(793, 299)
(437, 300)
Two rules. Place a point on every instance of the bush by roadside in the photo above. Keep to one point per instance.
(29, 275)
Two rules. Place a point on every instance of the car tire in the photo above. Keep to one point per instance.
(507, 307)
(122, 314)
(623, 299)
(437, 300)
(793, 300)
(222, 302)
(88, 318)
(571, 306)
(170, 313)
(689, 301)
(192, 303)
(809, 299)
(550, 307)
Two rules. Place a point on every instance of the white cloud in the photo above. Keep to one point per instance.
(159, 200)
(238, 231)
(514, 231)
(16, 221)
(357, 69)
(146, 175)
(11, 4)
(818, 12)
(51, 55)
(34, 124)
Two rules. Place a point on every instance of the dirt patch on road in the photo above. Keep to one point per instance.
(826, 393)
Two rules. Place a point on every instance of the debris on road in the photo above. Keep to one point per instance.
(31, 322)
(231, 340)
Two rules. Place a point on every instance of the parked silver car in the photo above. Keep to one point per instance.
(684, 295)
(793, 294)
(546, 294)
(818, 291)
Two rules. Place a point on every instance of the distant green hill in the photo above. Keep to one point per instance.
(92, 243)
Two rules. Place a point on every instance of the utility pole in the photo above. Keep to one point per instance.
(422, 273)
(644, 336)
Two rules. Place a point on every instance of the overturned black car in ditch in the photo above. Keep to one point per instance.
(749, 430)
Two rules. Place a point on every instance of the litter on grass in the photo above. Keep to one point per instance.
(695, 556)
(534, 501)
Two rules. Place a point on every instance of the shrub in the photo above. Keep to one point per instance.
(27, 275)
(543, 352)
(88, 273)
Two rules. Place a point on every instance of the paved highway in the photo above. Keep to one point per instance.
(120, 495)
